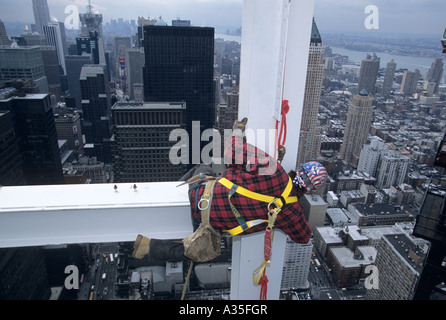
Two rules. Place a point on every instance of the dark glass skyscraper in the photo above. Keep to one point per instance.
(179, 66)
(96, 108)
(36, 133)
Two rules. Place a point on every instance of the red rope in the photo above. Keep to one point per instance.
(283, 126)
(264, 286)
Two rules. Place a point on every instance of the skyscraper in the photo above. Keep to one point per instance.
(53, 70)
(179, 66)
(410, 82)
(91, 27)
(388, 78)
(399, 261)
(22, 63)
(141, 143)
(96, 110)
(74, 66)
(370, 156)
(295, 267)
(41, 14)
(392, 169)
(55, 36)
(4, 40)
(310, 136)
(134, 61)
(368, 74)
(359, 119)
(36, 132)
(11, 161)
(435, 73)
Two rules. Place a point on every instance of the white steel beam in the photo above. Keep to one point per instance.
(59, 214)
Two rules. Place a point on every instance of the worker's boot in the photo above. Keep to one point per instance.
(158, 250)
(141, 247)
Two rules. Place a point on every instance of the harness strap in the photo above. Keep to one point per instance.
(261, 197)
(237, 214)
(279, 202)
(205, 202)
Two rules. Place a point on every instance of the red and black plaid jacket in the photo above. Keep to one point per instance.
(252, 169)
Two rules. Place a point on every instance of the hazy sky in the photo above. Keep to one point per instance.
(401, 16)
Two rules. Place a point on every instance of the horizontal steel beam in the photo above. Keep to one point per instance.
(59, 214)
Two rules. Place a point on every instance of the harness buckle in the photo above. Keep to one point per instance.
(277, 206)
(199, 204)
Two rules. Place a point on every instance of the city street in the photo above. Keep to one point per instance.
(99, 283)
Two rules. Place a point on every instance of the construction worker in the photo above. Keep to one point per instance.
(235, 206)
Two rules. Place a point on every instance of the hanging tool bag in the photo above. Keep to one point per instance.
(205, 243)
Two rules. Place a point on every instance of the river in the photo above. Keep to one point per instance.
(404, 62)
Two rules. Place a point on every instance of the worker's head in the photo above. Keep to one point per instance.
(312, 176)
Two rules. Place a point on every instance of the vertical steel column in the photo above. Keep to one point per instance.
(274, 58)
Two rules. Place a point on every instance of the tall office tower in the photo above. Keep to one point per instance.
(96, 110)
(310, 135)
(89, 44)
(368, 74)
(90, 21)
(179, 66)
(410, 82)
(295, 267)
(4, 40)
(370, 156)
(22, 63)
(36, 132)
(91, 27)
(399, 261)
(227, 113)
(392, 169)
(74, 66)
(134, 62)
(55, 36)
(11, 161)
(388, 78)
(357, 128)
(41, 14)
(435, 73)
(141, 143)
(53, 70)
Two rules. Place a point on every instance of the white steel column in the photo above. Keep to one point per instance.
(274, 58)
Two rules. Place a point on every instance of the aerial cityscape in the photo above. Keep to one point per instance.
(92, 98)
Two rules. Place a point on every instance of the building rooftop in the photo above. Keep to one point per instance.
(378, 209)
(376, 233)
(330, 234)
(149, 105)
(348, 259)
(315, 199)
(413, 255)
(340, 217)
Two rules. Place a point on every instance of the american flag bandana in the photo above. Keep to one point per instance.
(314, 176)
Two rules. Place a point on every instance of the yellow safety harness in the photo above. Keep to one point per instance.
(278, 202)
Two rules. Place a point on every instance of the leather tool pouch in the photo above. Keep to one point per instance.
(205, 243)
